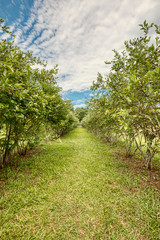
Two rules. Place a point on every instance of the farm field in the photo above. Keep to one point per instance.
(77, 188)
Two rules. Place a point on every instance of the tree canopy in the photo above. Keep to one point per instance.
(126, 104)
(81, 113)
(30, 100)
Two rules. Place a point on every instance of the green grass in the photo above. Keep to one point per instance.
(76, 189)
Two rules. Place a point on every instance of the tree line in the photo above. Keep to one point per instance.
(126, 101)
(31, 106)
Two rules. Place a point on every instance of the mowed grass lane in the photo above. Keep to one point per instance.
(76, 189)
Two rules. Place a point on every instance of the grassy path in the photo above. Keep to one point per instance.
(76, 189)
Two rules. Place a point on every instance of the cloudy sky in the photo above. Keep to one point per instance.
(78, 35)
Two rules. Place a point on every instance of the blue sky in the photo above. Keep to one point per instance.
(78, 35)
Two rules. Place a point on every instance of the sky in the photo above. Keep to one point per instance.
(78, 35)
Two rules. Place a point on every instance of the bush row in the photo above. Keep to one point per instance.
(126, 101)
(30, 101)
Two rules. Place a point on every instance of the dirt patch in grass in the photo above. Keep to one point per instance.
(13, 164)
(150, 178)
(15, 158)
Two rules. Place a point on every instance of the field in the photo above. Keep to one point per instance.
(77, 188)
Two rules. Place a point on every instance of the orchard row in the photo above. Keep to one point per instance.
(31, 106)
(126, 102)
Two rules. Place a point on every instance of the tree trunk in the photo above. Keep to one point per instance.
(149, 156)
(149, 153)
(128, 149)
(45, 131)
(7, 150)
(129, 143)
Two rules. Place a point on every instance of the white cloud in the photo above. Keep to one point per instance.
(80, 35)
(79, 106)
(13, 2)
(80, 101)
